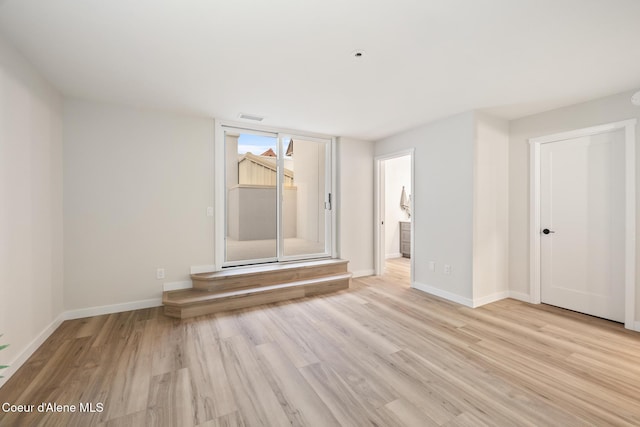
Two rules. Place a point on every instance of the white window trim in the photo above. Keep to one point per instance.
(219, 183)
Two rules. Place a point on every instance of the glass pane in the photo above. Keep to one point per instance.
(251, 197)
(303, 212)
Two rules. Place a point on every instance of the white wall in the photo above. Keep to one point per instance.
(137, 185)
(231, 162)
(443, 202)
(355, 168)
(605, 110)
(397, 173)
(309, 159)
(490, 209)
(30, 208)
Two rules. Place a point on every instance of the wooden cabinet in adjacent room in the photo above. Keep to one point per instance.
(405, 238)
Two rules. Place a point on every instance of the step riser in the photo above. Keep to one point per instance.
(267, 278)
(256, 299)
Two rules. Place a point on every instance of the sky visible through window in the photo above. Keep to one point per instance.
(256, 144)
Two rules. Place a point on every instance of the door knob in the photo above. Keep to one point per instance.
(547, 231)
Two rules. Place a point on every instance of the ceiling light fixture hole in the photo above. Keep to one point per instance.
(357, 54)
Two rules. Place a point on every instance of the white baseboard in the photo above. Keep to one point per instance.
(25, 354)
(15, 364)
(521, 296)
(363, 273)
(636, 326)
(114, 308)
(396, 255)
(176, 286)
(443, 294)
(477, 302)
(197, 269)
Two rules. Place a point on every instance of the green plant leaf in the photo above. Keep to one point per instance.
(2, 347)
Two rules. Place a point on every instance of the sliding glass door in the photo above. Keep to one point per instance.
(277, 197)
(306, 208)
(251, 175)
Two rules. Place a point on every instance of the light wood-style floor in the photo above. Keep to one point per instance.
(397, 272)
(378, 354)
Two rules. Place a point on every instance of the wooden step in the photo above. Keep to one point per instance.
(268, 274)
(187, 303)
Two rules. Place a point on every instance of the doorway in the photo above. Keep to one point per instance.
(277, 197)
(583, 228)
(395, 217)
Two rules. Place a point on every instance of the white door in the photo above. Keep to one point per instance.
(582, 224)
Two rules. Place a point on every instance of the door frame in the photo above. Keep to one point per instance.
(630, 208)
(219, 188)
(379, 203)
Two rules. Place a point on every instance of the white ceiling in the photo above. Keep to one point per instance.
(290, 60)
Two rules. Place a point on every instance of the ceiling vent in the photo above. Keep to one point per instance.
(251, 117)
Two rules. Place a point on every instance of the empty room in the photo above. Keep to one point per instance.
(319, 213)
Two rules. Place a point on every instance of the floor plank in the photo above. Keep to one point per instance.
(378, 354)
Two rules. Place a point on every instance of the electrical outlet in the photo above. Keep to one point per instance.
(210, 211)
(160, 273)
(432, 266)
(447, 269)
